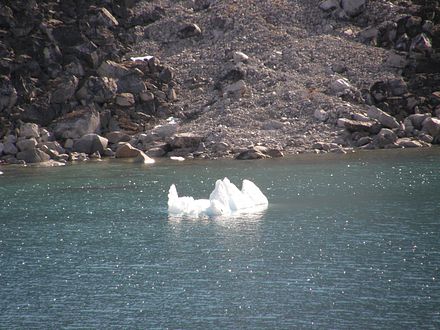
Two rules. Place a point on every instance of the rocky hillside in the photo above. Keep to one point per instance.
(210, 78)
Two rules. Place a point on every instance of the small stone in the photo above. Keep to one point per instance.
(90, 143)
(321, 115)
(237, 89)
(340, 86)
(190, 30)
(240, 57)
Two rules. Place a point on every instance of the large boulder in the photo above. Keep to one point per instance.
(117, 136)
(353, 7)
(382, 117)
(126, 150)
(417, 119)
(29, 130)
(77, 123)
(33, 156)
(26, 144)
(385, 138)
(432, 127)
(9, 148)
(90, 143)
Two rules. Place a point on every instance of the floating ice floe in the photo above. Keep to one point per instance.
(225, 199)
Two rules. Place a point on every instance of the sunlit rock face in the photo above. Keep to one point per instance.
(225, 199)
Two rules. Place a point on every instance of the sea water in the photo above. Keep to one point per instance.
(347, 242)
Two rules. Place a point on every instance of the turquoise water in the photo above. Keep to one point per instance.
(348, 242)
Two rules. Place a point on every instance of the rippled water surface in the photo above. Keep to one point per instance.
(348, 242)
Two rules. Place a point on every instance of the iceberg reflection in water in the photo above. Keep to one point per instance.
(225, 199)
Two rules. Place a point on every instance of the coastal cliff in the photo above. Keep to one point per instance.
(206, 78)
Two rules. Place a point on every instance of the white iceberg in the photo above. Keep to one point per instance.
(225, 199)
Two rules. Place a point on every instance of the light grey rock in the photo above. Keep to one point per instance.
(385, 119)
(432, 127)
(33, 156)
(126, 150)
(80, 122)
(26, 144)
(353, 7)
(90, 143)
(28, 130)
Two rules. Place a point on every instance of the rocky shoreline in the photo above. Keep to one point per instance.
(212, 79)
